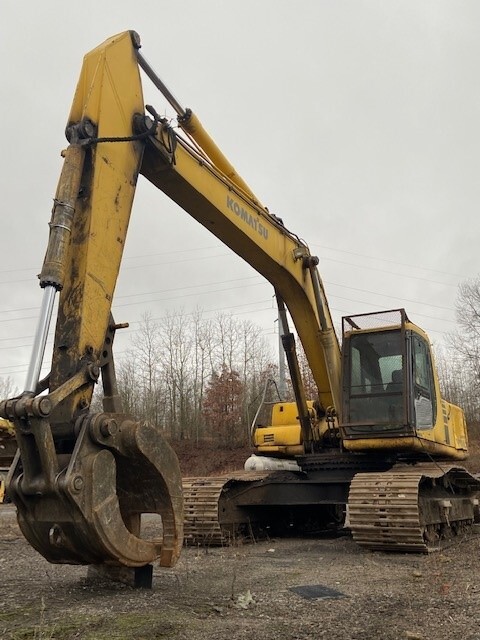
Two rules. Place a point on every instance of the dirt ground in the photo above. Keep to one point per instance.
(248, 592)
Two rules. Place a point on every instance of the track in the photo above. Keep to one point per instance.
(204, 500)
(200, 499)
(409, 508)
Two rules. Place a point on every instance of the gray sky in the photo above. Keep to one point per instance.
(355, 121)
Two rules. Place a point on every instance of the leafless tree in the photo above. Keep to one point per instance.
(459, 363)
(177, 348)
(166, 372)
(128, 385)
(466, 341)
(8, 388)
(458, 383)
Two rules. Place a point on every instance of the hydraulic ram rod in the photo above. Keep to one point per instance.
(53, 270)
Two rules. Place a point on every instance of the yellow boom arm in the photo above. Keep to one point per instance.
(81, 480)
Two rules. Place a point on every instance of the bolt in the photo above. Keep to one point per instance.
(94, 371)
(109, 427)
(87, 128)
(77, 483)
(44, 406)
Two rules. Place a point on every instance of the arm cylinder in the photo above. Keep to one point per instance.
(53, 270)
(36, 359)
(192, 125)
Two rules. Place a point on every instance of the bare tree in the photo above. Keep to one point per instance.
(466, 341)
(311, 390)
(165, 375)
(128, 385)
(459, 366)
(458, 383)
(147, 364)
(202, 344)
(177, 342)
(8, 388)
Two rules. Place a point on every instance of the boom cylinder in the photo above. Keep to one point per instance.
(192, 125)
(288, 341)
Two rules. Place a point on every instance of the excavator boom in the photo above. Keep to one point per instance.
(260, 239)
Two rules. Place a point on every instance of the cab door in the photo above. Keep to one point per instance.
(423, 399)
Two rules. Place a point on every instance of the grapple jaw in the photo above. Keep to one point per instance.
(89, 511)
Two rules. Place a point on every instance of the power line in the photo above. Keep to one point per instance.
(401, 264)
(136, 294)
(385, 295)
(145, 255)
(157, 319)
(192, 286)
(213, 247)
(212, 291)
(392, 273)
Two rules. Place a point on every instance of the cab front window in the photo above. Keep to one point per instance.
(376, 385)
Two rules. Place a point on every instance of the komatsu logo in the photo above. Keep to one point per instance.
(247, 217)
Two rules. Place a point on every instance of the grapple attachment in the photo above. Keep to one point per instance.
(86, 507)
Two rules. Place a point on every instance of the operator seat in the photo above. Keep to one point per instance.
(396, 384)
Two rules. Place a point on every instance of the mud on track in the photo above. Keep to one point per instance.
(244, 592)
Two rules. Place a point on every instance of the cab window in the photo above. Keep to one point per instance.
(376, 378)
(423, 386)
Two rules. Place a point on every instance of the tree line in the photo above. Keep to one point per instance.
(197, 377)
(203, 378)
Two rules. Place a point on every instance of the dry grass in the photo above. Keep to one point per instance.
(205, 458)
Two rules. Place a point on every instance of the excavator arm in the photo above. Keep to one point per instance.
(81, 480)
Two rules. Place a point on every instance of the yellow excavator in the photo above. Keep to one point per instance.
(378, 437)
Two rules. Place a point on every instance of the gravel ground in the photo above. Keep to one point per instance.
(249, 591)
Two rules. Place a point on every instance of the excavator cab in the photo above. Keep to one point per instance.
(391, 394)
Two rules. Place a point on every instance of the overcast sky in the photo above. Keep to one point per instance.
(357, 122)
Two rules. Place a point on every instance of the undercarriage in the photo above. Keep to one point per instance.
(401, 507)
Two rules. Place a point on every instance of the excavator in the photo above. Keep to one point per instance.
(378, 442)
